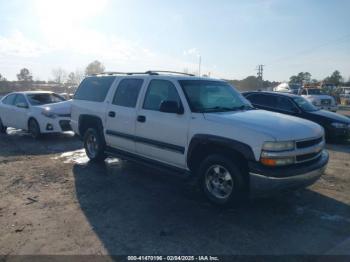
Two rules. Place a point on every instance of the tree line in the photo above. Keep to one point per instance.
(305, 77)
(60, 76)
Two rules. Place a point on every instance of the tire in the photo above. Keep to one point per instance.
(34, 129)
(2, 128)
(94, 145)
(221, 180)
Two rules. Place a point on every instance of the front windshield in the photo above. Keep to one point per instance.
(44, 99)
(213, 96)
(315, 92)
(304, 104)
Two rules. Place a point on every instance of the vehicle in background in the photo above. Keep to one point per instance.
(319, 99)
(197, 126)
(38, 112)
(335, 125)
(344, 95)
(66, 96)
(287, 88)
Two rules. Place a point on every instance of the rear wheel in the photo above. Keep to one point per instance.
(221, 180)
(2, 127)
(34, 129)
(94, 145)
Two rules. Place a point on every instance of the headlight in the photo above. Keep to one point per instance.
(271, 159)
(49, 114)
(278, 146)
(339, 125)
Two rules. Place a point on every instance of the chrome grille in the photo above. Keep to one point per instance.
(308, 143)
(309, 149)
(307, 157)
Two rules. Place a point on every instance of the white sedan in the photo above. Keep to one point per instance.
(38, 112)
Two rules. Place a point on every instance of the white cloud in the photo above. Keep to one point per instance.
(19, 45)
(191, 52)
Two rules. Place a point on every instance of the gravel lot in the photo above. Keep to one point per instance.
(53, 201)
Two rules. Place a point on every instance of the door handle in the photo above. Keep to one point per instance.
(141, 119)
(111, 114)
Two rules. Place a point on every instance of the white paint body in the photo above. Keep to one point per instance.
(252, 127)
(17, 117)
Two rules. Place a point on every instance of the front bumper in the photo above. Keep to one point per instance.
(55, 125)
(339, 133)
(265, 181)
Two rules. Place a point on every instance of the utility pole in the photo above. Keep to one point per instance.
(260, 69)
(199, 65)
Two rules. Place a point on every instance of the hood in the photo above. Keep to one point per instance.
(332, 117)
(61, 108)
(279, 126)
(318, 97)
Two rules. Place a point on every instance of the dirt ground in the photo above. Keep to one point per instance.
(53, 201)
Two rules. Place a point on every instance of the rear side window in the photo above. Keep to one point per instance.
(20, 99)
(9, 100)
(258, 99)
(127, 92)
(94, 88)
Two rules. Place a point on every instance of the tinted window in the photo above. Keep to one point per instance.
(127, 92)
(44, 98)
(262, 100)
(159, 91)
(94, 88)
(9, 100)
(315, 92)
(20, 99)
(256, 99)
(284, 103)
(304, 92)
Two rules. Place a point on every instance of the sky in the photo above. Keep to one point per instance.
(231, 36)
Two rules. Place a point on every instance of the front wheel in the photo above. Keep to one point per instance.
(221, 180)
(34, 129)
(94, 145)
(2, 127)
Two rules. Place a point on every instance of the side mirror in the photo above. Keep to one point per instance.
(169, 106)
(22, 105)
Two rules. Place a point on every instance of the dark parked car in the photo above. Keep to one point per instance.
(336, 126)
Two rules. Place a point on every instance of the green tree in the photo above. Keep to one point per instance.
(336, 78)
(25, 75)
(95, 67)
(300, 78)
(59, 75)
(2, 78)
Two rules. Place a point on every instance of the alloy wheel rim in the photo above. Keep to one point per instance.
(219, 182)
(33, 129)
(92, 145)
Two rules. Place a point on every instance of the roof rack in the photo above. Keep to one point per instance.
(118, 73)
(150, 72)
(156, 72)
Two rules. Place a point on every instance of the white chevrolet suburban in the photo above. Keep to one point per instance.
(197, 126)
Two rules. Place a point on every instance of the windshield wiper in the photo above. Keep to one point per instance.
(226, 109)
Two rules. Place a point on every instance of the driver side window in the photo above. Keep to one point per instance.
(285, 104)
(159, 91)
